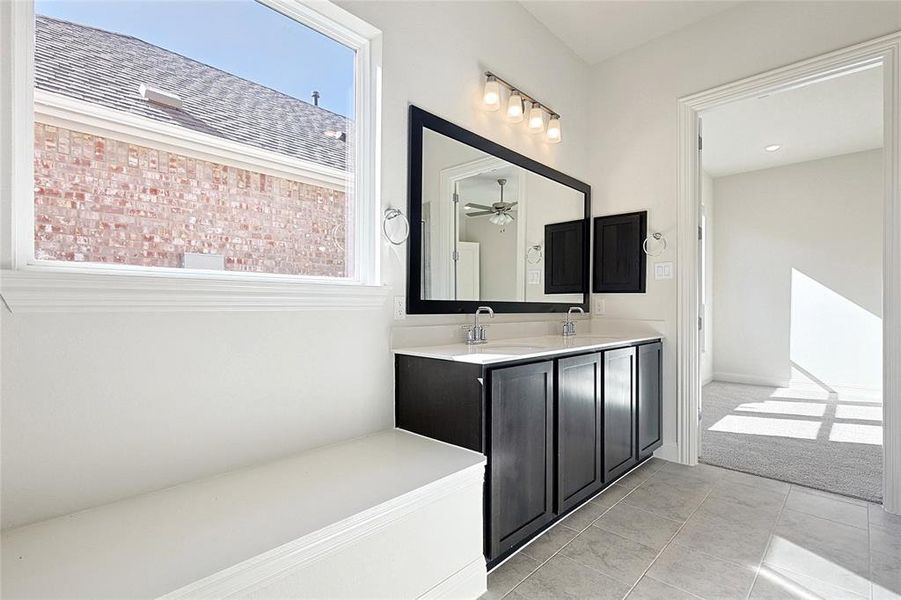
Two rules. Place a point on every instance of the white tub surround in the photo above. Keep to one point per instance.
(370, 508)
(501, 351)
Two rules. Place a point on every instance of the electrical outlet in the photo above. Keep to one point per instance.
(600, 306)
(400, 308)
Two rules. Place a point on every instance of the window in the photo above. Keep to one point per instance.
(231, 138)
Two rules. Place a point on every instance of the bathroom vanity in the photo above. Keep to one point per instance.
(559, 419)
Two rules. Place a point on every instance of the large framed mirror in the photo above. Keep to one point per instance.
(491, 226)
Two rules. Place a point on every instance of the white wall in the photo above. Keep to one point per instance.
(634, 122)
(798, 275)
(435, 54)
(99, 407)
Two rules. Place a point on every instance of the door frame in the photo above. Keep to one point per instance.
(448, 178)
(886, 51)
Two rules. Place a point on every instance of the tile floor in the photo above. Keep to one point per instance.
(671, 532)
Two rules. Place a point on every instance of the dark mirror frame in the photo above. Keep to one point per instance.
(421, 120)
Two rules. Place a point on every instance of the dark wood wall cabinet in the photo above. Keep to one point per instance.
(620, 264)
(556, 430)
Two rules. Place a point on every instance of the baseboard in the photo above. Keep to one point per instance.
(668, 452)
(469, 582)
(750, 379)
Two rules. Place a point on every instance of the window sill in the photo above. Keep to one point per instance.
(40, 290)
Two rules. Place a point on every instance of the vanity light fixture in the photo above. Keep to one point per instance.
(773, 147)
(492, 96)
(517, 102)
(554, 135)
(536, 118)
(515, 107)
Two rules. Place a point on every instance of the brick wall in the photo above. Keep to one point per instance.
(102, 200)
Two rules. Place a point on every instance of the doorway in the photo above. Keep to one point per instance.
(791, 285)
(877, 53)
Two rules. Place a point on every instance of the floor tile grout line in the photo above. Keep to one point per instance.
(768, 543)
(667, 544)
(845, 523)
(578, 533)
(581, 531)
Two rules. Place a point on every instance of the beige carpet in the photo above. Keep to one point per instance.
(825, 439)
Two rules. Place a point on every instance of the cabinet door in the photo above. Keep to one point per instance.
(620, 448)
(579, 470)
(520, 463)
(649, 409)
(619, 259)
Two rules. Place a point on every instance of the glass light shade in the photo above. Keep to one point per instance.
(536, 118)
(514, 108)
(500, 219)
(492, 96)
(554, 134)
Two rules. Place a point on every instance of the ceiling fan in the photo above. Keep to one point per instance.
(499, 211)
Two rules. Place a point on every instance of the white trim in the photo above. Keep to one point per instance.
(43, 284)
(45, 290)
(19, 31)
(668, 451)
(443, 220)
(268, 566)
(887, 51)
(469, 582)
(90, 118)
(750, 379)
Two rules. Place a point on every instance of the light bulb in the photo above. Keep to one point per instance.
(496, 219)
(514, 107)
(536, 118)
(492, 96)
(554, 135)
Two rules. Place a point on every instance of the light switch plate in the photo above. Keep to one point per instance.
(534, 277)
(400, 308)
(663, 270)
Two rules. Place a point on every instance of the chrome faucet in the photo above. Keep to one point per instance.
(475, 333)
(569, 326)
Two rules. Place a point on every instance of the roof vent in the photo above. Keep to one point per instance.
(338, 135)
(158, 96)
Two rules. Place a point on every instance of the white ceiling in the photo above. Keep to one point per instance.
(828, 118)
(597, 30)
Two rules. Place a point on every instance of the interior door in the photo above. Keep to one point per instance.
(467, 265)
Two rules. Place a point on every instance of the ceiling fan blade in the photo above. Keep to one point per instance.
(512, 205)
(480, 213)
(482, 206)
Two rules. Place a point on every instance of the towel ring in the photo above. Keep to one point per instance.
(393, 213)
(659, 238)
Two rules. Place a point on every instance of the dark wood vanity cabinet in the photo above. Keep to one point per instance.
(620, 412)
(580, 472)
(521, 446)
(556, 430)
(650, 415)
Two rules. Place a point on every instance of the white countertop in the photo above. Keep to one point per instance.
(500, 351)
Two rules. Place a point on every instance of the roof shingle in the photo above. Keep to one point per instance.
(107, 68)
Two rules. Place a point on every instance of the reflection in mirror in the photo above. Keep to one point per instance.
(493, 231)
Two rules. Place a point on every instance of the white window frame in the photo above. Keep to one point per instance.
(29, 285)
